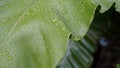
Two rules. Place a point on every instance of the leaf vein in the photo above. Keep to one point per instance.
(18, 21)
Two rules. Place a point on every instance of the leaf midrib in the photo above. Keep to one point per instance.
(25, 11)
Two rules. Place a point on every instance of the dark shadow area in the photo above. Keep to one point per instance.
(108, 46)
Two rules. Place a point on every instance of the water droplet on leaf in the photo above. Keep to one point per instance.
(54, 20)
(6, 52)
(28, 13)
(63, 11)
(68, 19)
(74, 15)
(9, 57)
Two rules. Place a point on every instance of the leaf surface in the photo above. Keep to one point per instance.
(34, 33)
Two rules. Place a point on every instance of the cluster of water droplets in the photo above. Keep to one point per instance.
(6, 54)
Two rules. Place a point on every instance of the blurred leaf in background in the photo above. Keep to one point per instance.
(118, 65)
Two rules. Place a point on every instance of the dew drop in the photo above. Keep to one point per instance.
(6, 52)
(38, 6)
(9, 57)
(63, 28)
(34, 9)
(56, 24)
(65, 34)
(28, 14)
(74, 15)
(54, 20)
(68, 19)
(39, 1)
(63, 11)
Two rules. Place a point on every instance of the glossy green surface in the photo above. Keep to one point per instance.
(34, 33)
